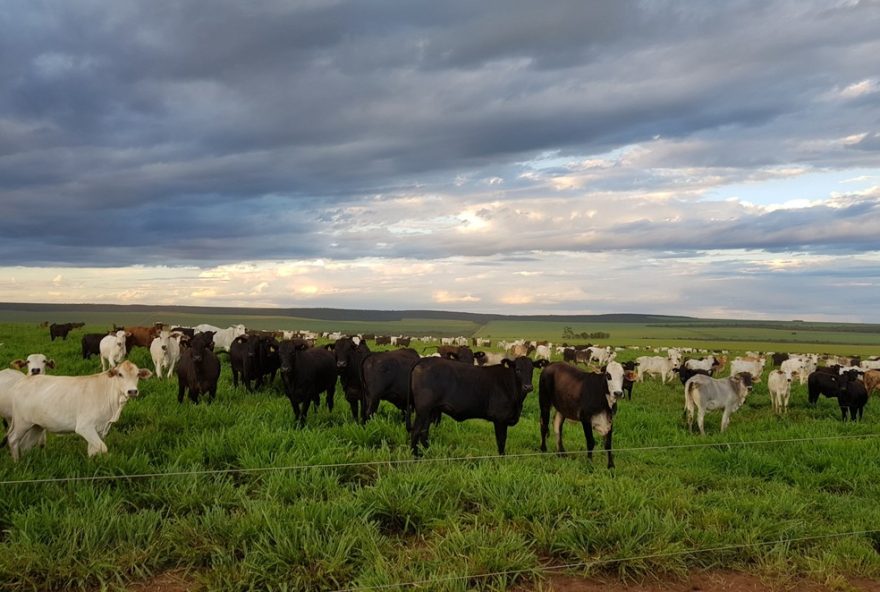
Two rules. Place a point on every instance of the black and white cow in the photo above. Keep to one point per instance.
(587, 397)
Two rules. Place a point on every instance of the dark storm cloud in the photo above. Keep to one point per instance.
(219, 131)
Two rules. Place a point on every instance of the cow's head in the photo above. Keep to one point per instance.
(522, 368)
(343, 350)
(613, 372)
(34, 364)
(127, 375)
(745, 381)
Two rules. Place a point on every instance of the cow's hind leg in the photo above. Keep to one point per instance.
(420, 425)
(701, 416)
(558, 423)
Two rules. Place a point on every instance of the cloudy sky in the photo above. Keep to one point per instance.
(702, 158)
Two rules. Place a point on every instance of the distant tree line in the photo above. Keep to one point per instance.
(568, 333)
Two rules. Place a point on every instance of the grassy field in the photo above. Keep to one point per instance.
(380, 524)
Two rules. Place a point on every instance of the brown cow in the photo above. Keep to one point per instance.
(140, 336)
(872, 380)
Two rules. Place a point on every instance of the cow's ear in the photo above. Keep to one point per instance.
(50, 364)
(240, 339)
(128, 333)
(507, 362)
(144, 373)
(17, 364)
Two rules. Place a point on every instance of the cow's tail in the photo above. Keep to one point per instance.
(410, 404)
(689, 388)
(7, 429)
(365, 396)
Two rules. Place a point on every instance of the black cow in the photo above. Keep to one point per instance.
(404, 341)
(581, 396)
(348, 364)
(629, 378)
(383, 340)
(91, 344)
(569, 354)
(198, 369)
(495, 393)
(306, 372)
(385, 377)
(778, 358)
(62, 329)
(822, 382)
(252, 357)
(459, 353)
(853, 395)
(685, 373)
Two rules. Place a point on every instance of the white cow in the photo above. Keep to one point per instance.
(706, 364)
(794, 366)
(112, 348)
(87, 405)
(870, 364)
(703, 393)
(542, 352)
(601, 355)
(654, 365)
(489, 358)
(779, 387)
(165, 351)
(223, 338)
(752, 366)
(34, 364)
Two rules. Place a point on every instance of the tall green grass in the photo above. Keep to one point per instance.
(441, 521)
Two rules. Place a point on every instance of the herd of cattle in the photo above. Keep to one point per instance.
(453, 380)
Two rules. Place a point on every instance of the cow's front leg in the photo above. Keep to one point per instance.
(96, 445)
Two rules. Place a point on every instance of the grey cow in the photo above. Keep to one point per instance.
(705, 394)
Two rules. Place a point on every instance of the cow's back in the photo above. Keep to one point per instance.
(8, 378)
(58, 402)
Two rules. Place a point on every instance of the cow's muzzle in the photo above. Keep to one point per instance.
(527, 388)
(35, 371)
(341, 364)
(133, 392)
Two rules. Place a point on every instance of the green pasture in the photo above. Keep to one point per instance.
(442, 521)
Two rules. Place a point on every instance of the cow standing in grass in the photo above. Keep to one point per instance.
(587, 397)
(702, 393)
(462, 391)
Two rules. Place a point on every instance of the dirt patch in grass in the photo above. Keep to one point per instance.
(713, 581)
(169, 581)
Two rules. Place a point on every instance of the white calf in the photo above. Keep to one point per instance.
(112, 348)
(779, 387)
(654, 365)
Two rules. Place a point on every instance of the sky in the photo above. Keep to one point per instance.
(697, 158)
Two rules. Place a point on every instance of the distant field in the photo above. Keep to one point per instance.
(734, 338)
(708, 334)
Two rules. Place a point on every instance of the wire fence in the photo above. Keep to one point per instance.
(429, 460)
